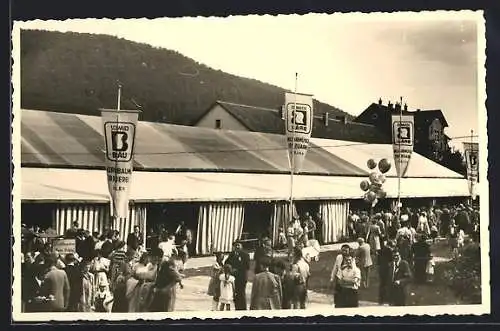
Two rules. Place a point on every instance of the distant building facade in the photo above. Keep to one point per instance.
(232, 116)
(430, 138)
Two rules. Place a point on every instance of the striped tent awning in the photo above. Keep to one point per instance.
(73, 185)
(52, 139)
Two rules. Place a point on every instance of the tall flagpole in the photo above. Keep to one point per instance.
(470, 165)
(292, 162)
(399, 161)
(118, 104)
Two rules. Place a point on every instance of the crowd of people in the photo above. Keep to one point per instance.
(103, 274)
(106, 274)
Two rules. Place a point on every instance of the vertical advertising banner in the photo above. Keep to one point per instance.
(403, 133)
(472, 162)
(119, 137)
(299, 122)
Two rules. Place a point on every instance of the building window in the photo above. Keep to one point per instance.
(218, 124)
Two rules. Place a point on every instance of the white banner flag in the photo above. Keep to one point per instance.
(299, 123)
(472, 162)
(119, 136)
(403, 133)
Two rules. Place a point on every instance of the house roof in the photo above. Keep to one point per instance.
(60, 140)
(419, 115)
(267, 120)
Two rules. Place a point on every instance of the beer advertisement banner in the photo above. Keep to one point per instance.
(403, 131)
(472, 162)
(299, 122)
(119, 136)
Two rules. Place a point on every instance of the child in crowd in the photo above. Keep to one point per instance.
(227, 280)
(103, 301)
(429, 270)
(214, 284)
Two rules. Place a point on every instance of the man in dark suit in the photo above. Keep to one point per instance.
(108, 246)
(240, 263)
(384, 267)
(134, 239)
(75, 279)
(55, 286)
(399, 277)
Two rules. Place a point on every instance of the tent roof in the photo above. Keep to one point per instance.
(77, 185)
(50, 139)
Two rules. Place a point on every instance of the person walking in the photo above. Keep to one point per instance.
(240, 263)
(400, 276)
(364, 262)
(88, 288)
(165, 288)
(340, 259)
(266, 289)
(349, 280)
(384, 265)
(305, 273)
(421, 252)
(74, 274)
(55, 286)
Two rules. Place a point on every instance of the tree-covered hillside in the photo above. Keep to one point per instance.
(78, 73)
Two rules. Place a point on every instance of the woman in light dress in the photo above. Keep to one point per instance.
(100, 268)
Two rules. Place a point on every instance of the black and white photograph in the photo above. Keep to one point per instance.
(258, 165)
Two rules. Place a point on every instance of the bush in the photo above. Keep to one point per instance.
(463, 275)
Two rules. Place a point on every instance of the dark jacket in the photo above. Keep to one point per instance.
(75, 284)
(402, 274)
(134, 241)
(240, 263)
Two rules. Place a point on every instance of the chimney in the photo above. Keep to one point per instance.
(406, 107)
(326, 118)
(390, 105)
(380, 101)
(397, 106)
(418, 110)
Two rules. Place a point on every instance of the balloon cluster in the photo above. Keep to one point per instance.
(373, 186)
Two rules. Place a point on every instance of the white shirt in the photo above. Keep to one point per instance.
(304, 269)
(337, 265)
(167, 247)
(352, 274)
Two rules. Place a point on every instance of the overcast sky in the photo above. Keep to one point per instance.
(346, 61)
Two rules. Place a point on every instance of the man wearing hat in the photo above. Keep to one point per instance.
(239, 260)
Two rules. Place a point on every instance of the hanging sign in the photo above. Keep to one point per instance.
(472, 162)
(299, 122)
(402, 142)
(119, 136)
(64, 246)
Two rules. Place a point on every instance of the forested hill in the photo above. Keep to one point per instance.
(77, 73)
